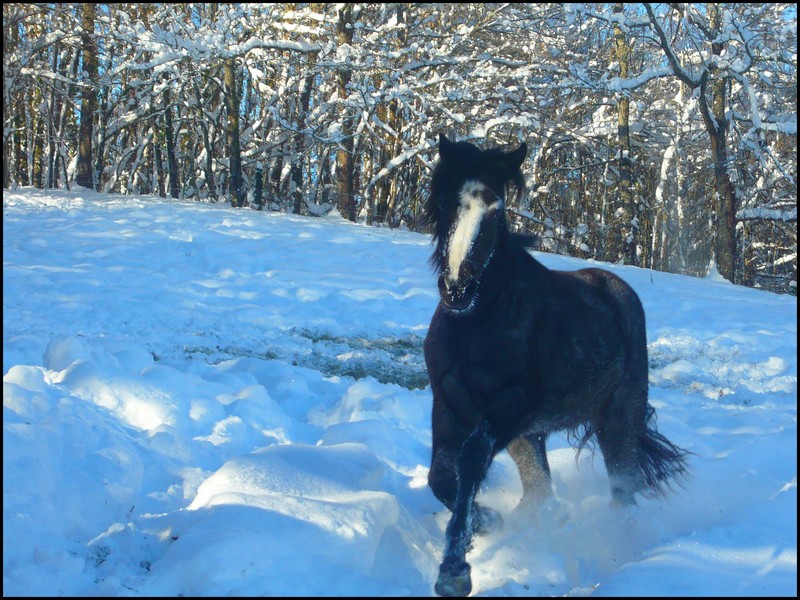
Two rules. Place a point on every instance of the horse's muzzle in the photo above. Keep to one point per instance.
(458, 295)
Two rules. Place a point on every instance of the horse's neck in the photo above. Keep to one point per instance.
(511, 265)
(501, 272)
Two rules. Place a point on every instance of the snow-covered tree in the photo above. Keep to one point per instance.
(660, 135)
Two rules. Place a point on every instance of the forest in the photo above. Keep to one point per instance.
(660, 135)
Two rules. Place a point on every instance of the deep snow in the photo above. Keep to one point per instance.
(207, 401)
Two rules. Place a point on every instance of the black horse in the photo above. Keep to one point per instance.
(516, 351)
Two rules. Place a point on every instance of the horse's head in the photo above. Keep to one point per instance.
(466, 207)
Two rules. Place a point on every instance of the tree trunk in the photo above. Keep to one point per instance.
(21, 151)
(298, 159)
(207, 143)
(38, 151)
(102, 129)
(159, 164)
(232, 109)
(624, 230)
(258, 192)
(210, 181)
(345, 191)
(53, 112)
(84, 175)
(380, 195)
(172, 163)
(724, 196)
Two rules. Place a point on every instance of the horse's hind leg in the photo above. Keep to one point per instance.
(530, 455)
(619, 430)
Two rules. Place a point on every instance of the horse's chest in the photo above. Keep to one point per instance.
(482, 366)
(485, 349)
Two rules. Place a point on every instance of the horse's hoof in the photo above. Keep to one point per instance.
(453, 579)
(486, 520)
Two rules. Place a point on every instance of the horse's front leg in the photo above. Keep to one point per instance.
(473, 463)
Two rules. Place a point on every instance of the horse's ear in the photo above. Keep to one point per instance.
(445, 147)
(514, 158)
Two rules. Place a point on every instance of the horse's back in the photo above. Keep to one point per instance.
(625, 324)
(593, 326)
(621, 299)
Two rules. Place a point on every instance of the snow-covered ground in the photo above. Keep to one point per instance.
(207, 401)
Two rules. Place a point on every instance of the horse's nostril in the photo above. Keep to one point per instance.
(470, 286)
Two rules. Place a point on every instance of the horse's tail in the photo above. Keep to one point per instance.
(660, 461)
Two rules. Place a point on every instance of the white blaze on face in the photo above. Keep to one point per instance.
(470, 213)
